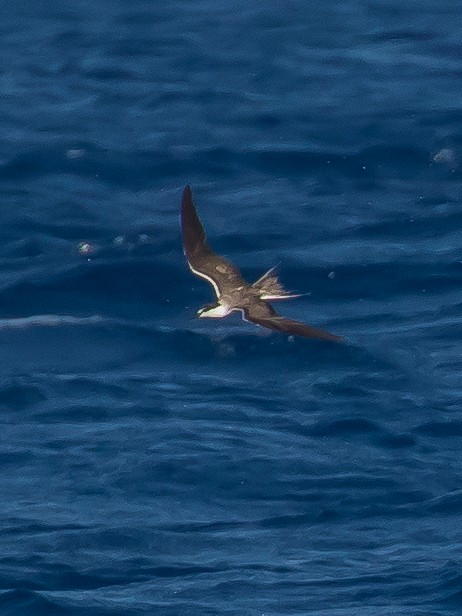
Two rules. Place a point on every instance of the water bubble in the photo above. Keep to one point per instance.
(445, 156)
(72, 154)
(119, 241)
(86, 248)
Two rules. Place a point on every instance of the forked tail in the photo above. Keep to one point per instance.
(269, 287)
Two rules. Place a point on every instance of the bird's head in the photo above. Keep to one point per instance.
(214, 311)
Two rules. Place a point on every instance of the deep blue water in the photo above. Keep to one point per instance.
(152, 463)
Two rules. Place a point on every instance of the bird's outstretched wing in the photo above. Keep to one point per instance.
(201, 259)
(261, 313)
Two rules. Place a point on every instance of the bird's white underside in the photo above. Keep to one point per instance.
(217, 312)
(222, 310)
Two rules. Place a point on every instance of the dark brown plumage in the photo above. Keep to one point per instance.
(231, 290)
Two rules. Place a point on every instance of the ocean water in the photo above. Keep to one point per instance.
(154, 463)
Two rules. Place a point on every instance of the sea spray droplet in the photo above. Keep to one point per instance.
(73, 154)
(446, 156)
(86, 249)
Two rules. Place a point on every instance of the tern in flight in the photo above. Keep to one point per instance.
(232, 292)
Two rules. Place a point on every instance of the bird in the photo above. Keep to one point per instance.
(232, 292)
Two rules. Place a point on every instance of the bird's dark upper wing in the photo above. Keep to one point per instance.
(263, 314)
(201, 259)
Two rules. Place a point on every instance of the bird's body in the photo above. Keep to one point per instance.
(233, 293)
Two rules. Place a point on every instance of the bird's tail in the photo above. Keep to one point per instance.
(270, 288)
